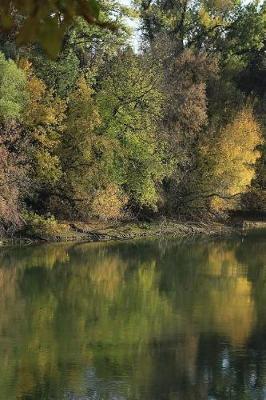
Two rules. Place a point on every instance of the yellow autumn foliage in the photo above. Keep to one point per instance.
(233, 156)
(43, 106)
(43, 117)
(108, 203)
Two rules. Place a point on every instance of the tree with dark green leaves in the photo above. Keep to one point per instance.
(131, 102)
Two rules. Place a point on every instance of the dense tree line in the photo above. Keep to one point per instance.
(101, 131)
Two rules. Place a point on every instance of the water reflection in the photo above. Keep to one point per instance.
(145, 320)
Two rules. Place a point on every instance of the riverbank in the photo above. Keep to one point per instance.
(96, 231)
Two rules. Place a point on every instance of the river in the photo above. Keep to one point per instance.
(157, 319)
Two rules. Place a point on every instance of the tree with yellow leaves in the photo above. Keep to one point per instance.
(226, 163)
(43, 121)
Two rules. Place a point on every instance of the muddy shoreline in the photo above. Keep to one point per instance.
(102, 232)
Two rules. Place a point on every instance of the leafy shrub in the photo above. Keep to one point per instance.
(109, 203)
(41, 227)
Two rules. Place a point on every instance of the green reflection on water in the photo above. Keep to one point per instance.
(141, 320)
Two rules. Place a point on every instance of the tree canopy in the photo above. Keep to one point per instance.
(104, 132)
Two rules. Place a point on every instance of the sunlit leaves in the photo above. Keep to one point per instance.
(130, 102)
(229, 165)
(12, 90)
(237, 152)
(43, 119)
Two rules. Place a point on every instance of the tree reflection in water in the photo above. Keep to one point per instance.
(138, 320)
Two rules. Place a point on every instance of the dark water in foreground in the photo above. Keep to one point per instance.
(144, 320)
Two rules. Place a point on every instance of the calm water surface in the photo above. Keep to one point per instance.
(144, 320)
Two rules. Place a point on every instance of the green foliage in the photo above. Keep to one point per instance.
(81, 147)
(13, 163)
(40, 227)
(219, 27)
(207, 51)
(59, 75)
(130, 102)
(110, 140)
(84, 51)
(102, 132)
(12, 90)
